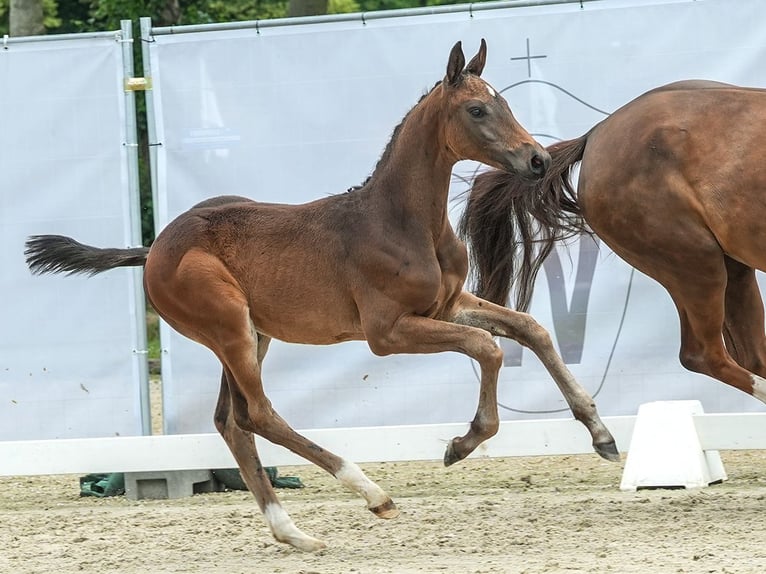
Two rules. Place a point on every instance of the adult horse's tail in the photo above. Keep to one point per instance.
(59, 254)
(511, 225)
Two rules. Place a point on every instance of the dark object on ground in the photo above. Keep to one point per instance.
(232, 479)
(102, 485)
(113, 484)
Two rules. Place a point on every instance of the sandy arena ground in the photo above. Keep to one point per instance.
(552, 515)
(517, 515)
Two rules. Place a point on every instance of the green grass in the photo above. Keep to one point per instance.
(153, 333)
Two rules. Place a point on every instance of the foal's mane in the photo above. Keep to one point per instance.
(395, 134)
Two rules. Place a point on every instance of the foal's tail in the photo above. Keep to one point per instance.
(507, 218)
(59, 254)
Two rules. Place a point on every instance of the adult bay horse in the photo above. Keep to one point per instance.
(675, 183)
(380, 263)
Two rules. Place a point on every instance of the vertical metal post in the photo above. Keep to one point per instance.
(151, 123)
(151, 127)
(131, 145)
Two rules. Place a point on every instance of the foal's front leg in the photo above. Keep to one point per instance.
(417, 334)
(504, 322)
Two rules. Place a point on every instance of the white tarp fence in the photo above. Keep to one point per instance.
(68, 361)
(292, 113)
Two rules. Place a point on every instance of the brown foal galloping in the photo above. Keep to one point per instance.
(380, 263)
(674, 183)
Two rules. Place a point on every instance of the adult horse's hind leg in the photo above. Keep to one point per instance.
(744, 318)
(503, 322)
(241, 443)
(700, 295)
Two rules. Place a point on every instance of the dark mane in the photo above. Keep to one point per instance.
(394, 135)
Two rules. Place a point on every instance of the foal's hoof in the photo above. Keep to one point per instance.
(303, 542)
(386, 510)
(451, 456)
(608, 450)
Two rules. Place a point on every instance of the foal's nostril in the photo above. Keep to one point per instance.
(539, 164)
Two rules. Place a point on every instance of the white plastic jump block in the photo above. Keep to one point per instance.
(665, 450)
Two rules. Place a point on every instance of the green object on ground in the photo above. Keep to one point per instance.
(113, 484)
(232, 479)
(102, 485)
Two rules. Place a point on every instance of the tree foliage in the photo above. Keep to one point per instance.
(51, 19)
(67, 16)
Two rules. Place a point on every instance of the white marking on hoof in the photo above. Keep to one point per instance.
(284, 530)
(352, 477)
(759, 388)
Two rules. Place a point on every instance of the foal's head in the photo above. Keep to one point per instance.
(481, 125)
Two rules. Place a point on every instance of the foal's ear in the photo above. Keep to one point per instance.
(476, 65)
(455, 64)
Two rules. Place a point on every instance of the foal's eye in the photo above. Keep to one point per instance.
(476, 111)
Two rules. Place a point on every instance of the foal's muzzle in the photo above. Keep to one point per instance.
(530, 162)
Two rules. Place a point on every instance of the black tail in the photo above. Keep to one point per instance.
(59, 254)
(506, 218)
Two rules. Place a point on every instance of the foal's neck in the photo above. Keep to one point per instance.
(414, 175)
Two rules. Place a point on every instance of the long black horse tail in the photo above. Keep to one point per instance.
(511, 225)
(59, 254)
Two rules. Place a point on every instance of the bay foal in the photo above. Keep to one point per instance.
(380, 263)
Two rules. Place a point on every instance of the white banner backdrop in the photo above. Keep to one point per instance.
(292, 113)
(68, 366)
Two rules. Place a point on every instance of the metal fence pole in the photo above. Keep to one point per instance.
(131, 145)
(151, 122)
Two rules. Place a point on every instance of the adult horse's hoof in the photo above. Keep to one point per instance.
(386, 510)
(608, 450)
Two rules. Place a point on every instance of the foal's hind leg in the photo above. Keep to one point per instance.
(503, 322)
(253, 412)
(744, 318)
(242, 445)
(200, 299)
